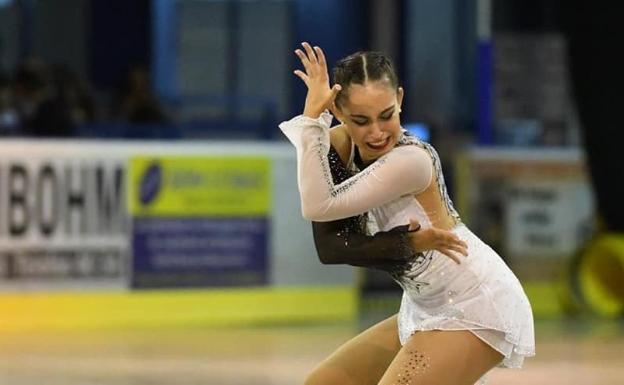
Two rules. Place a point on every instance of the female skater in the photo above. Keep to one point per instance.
(457, 320)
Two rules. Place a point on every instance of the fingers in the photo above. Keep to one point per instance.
(305, 61)
(453, 242)
(445, 242)
(320, 94)
(308, 59)
(310, 52)
(451, 245)
(459, 250)
(463, 250)
(459, 246)
(321, 57)
(414, 225)
(451, 255)
(313, 59)
(302, 76)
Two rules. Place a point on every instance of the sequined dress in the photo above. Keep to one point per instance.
(481, 294)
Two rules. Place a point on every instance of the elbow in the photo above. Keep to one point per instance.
(328, 250)
(321, 212)
(323, 259)
(314, 214)
(326, 257)
(324, 253)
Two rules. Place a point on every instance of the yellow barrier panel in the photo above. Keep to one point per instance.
(544, 298)
(181, 308)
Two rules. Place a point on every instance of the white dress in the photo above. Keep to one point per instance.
(481, 294)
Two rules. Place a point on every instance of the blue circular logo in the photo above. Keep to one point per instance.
(151, 183)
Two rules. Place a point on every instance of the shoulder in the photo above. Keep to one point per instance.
(414, 164)
(412, 153)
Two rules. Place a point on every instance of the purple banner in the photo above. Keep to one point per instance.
(192, 252)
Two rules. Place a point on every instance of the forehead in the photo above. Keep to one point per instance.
(369, 98)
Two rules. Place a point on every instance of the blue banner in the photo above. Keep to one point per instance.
(191, 252)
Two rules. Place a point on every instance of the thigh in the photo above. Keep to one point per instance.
(361, 360)
(441, 358)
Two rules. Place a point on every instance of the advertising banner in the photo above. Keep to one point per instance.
(83, 215)
(63, 217)
(199, 221)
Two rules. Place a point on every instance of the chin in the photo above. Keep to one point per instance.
(372, 153)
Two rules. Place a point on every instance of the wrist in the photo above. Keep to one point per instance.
(313, 115)
(313, 112)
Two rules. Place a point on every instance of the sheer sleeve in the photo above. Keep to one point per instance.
(336, 243)
(344, 241)
(404, 170)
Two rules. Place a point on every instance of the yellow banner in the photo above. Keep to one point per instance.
(199, 186)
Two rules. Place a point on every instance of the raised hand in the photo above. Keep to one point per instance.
(446, 242)
(320, 96)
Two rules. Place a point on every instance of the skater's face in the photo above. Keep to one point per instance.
(371, 114)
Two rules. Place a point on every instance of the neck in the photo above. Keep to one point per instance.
(361, 163)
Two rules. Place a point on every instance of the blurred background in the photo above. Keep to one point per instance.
(150, 228)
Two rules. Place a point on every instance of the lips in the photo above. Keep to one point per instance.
(379, 145)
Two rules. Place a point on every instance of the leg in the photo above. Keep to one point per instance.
(361, 360)
(441, 358)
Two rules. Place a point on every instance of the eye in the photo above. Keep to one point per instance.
(360, 122)
(388, 115)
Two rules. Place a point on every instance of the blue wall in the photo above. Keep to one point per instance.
(339, 27)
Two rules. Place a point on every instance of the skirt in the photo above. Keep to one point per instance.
(481, 295)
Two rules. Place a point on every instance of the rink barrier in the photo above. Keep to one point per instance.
(176, 308)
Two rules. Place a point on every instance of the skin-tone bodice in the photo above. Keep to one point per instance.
(430, 199)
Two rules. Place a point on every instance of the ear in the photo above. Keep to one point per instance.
(400, 96)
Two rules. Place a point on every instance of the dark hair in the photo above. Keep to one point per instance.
(360, 67)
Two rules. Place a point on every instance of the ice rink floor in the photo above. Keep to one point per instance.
(572, 352)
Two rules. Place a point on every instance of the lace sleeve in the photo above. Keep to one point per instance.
(344, 241)
(404, 170)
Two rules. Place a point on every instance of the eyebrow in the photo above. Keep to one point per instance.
(366, 117)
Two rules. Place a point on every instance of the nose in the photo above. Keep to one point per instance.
(375, 131)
